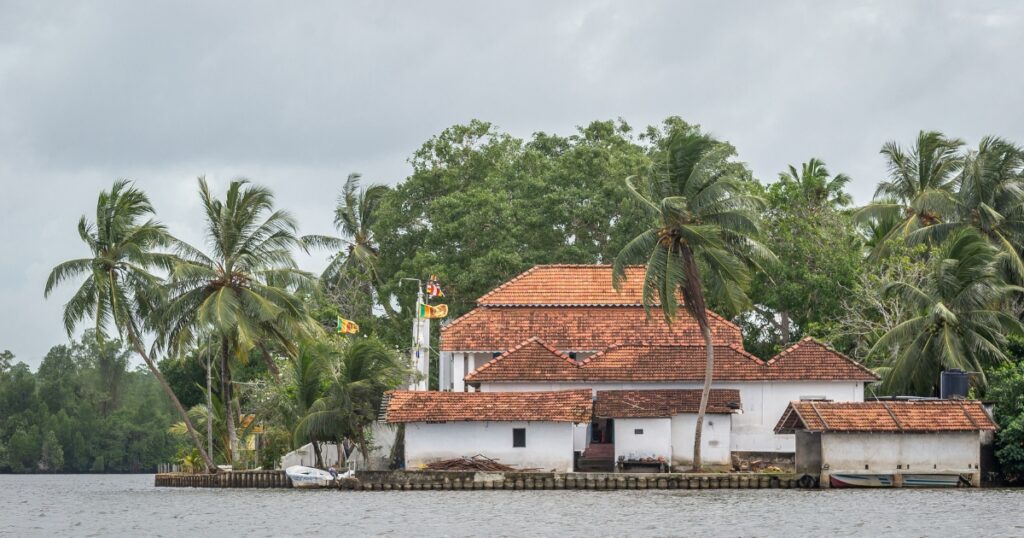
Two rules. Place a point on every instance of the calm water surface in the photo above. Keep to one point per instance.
(83, 505)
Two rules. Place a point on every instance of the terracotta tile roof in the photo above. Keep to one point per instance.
(536, 360)
(920, 416)
(661, 403)
(432, 406)
(562, 285)
(813, 360)
(576, 328)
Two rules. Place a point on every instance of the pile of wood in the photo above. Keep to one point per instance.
(476, 463)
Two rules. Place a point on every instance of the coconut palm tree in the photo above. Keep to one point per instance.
(957, 321)
(701, 238)
(354, 268)
(919, 191)
(990, 199)
(243, 291)
(119, 288)
(819, 187)
(360, 371)
(302, 382)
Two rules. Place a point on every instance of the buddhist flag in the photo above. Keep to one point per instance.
(433, 288)
(433, 311)
(346, 326)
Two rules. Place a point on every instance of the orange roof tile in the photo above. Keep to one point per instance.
(916, 416)
(813, 360)
(576, 328)
(662, 403)
(536, 360)
(578, 285)
(431, 406)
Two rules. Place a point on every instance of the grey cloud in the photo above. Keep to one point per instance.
(296, 95)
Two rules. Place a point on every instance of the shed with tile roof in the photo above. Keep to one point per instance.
(894, 442)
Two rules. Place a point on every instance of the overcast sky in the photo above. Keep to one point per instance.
(295, 95)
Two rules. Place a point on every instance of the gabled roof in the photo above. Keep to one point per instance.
(577, 328)
(432, 406)
(662, 403)
(886, 417)
(813, 360)
(568, 285)
(538, 360)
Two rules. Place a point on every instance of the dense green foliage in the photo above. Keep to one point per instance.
(83, 411)
(920, 279)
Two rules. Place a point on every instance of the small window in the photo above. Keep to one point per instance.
(518, 437)
(638, 431)
(572, 355)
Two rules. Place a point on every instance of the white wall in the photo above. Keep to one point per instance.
(580, 437)
(763, 404)
(549, 445)
(715, 446)
(924, 452)
(656, 440)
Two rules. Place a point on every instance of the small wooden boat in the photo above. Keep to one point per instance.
(931, 480)
(308, 477)
(844, 480)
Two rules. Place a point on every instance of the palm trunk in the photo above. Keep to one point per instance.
(709, 368)
(787, 327)
(317, 454)
(141, 350)
(225, 391)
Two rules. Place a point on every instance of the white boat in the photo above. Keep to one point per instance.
(932, 480)
(860, 480)
(308, 477)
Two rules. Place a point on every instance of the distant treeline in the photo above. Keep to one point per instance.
(82, 411)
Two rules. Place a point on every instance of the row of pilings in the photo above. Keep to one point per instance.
(468, 480)
(228, 479)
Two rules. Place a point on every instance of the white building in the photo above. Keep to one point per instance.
(889, 443)
(523, 430)
(659, 425)
(563, 327)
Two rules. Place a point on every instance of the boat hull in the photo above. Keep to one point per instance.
(844, 480)
(308, 477)
(932, 480)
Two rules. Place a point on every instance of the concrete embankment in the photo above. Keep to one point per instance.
(468, 480)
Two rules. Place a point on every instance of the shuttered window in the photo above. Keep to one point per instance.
(518, 437)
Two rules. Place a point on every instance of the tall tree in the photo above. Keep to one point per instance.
(816, 187)
(119, 288)
(359, 371)
(244, 289)
(919, 190)
(989, 199)
(353, 276)
(701, 238)
(956, 320)
(819, 248)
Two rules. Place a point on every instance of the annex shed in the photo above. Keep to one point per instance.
(659, 425)
(888, 443)
(522, 429)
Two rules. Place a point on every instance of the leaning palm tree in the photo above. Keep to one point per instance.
(243, 291)
(957, 319)
(919, 191)
(990, 199)
(361, 370)
(701, 238)
(354, 269)
(819, 187)
(119, 288)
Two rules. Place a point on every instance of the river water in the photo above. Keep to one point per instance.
(129, 505)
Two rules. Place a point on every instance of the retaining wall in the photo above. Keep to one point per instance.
(461, 480)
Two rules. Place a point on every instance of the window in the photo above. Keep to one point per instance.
(518, 437)
(638, 431)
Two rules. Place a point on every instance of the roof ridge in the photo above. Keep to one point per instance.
(506, 283)
(613, 346)
(826, 347)
(531, 340)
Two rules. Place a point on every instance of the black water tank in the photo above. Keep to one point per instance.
(954, 384)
